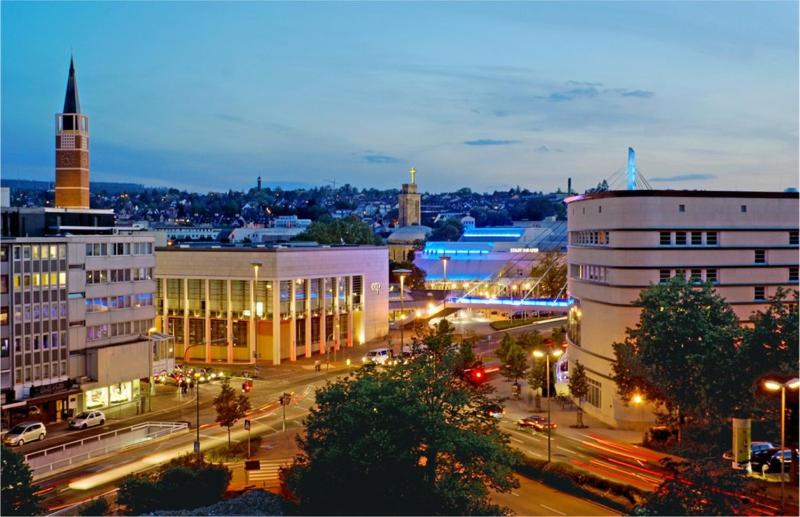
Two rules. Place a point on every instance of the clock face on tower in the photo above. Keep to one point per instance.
(66, 159)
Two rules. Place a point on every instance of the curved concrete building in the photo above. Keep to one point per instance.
(620, 242)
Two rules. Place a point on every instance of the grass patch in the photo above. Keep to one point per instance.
(510, 324)
(568, 479)
(236, 452)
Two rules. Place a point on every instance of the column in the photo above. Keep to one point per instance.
(336, 331)
(293, 321)
(349, 299)
(228, 325)
(185, 295)
(165, 307)
(207, 320)
(276, 322)
(251, 328)
(308, 316)
(322, 316)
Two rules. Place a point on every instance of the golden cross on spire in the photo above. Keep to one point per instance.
(413, 172)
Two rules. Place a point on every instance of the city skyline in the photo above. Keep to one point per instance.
(308, 93)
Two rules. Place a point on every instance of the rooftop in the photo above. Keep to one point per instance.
(683, 193)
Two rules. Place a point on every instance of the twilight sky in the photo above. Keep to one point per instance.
(207, 96)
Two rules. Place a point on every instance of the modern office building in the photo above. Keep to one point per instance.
(242, 304)
(620, 242)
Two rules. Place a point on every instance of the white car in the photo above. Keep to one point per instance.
(25, 432)
(87, 419)
(378, 356)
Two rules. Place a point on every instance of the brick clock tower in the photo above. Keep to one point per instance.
(72, 150)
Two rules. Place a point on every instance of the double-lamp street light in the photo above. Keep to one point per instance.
(402, 273)
(772, 385)
(538, 354)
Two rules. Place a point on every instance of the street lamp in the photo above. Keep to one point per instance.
(513, 291)
(258, 309)
(444, 259)
(197, 398)
(772, 385)
(402, 274)
(638, 400)
(538, 354)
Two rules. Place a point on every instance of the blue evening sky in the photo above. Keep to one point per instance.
(482, 95)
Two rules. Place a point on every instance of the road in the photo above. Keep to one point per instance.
(534, 498)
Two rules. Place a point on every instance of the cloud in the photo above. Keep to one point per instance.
(583, 83)
(489, 141)
(545, 149)
(686, 177)
(381, 158)
(642, 94)
(586, 92)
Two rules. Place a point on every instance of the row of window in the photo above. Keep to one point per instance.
(124, 328)
(587, 272)
(52, 280)
(40, 372)
(40, 252)
(103, 276)
(44, 341)
(590, 237)
(594, 393)
(695, 275)
(125, 301)
(688, 239)
(37, 312)
(102, 249)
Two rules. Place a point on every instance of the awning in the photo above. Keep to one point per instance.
(14, 404)
(52, 396)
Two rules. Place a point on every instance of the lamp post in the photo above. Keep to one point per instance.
(197, 398)
(638, 400)
(150, 380)
(258, 313)
(513, 291)
(556, 354)
(402, 274)
(772, 385)
(444, 259)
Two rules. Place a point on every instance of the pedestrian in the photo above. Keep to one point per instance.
(317, 365)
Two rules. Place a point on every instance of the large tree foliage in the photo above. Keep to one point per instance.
(349, 230)
(447, 230)
(506, 344)
(515, 363)
(551, 272)
(410, 439)
(18, 491)
(413, 280)
(686, 337)
(230, 406)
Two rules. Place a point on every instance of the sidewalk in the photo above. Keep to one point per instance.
(276, 450)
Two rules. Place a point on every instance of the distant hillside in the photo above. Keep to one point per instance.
(99, 186)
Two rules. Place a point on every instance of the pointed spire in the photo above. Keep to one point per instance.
(71, 102)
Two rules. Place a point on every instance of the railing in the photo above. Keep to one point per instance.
(78, 451)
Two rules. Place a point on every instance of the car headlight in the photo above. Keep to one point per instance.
(364, 359)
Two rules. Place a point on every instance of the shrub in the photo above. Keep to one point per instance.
(97, 506)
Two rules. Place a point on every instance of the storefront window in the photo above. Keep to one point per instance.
(240, 333)
(96, 398)
(574, 324)
(122, 392)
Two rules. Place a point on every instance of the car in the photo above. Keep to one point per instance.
(475, 374)
(769, 460)
(378, 356)
(536, 423)
(494, 410)
(25, 432)
(87, 419)
(754, 448)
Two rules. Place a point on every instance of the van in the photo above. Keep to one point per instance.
(378, 356)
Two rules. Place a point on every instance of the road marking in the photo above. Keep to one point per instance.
(535, 453)
(565, 449)
(551, 509)
(515, 494)
(517, 439)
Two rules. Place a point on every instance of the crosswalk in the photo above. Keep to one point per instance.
(269, 472)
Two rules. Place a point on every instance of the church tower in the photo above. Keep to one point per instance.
(409, 202)
(72, 150)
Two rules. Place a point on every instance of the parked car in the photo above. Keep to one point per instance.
(25, 432)
(536, 423)
(754, 448)
(378, 356)
(769, 460)
(87, 419)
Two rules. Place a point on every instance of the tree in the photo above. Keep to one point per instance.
(530, 340)
(349, 230)
(579, 388)
(686, 336)
(98, 506)
(537, 377)
(230, 406)
(515, 363)
(18, 491)
(506, 343)
(551, 270)
(411, 439)
(447, 230)
(558, 334)
(413, 280)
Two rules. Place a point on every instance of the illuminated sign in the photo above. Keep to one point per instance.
(524, 250)
(376, 287)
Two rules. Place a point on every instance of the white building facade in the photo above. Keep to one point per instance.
(620, 242)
